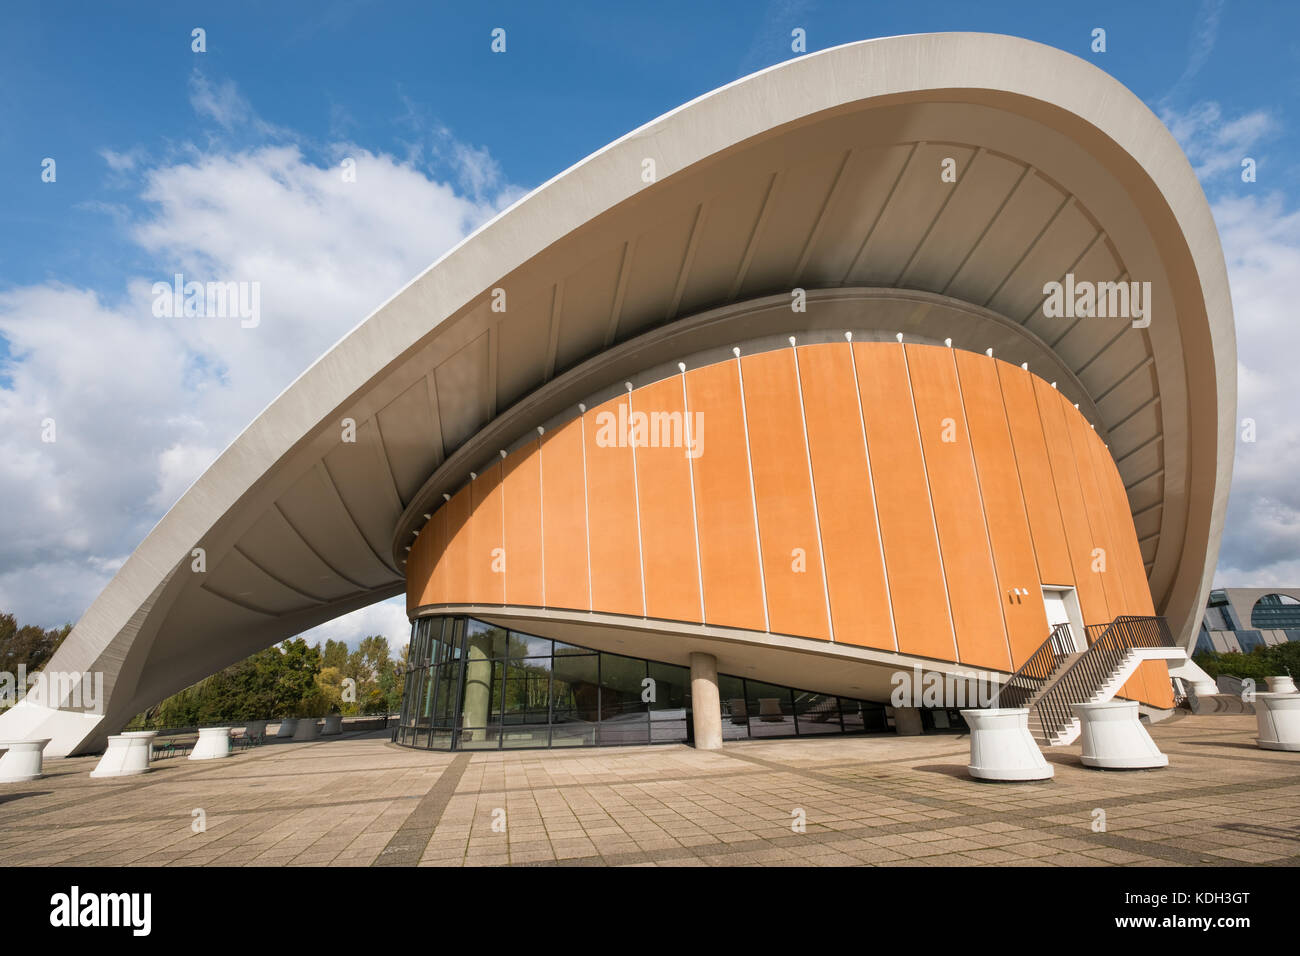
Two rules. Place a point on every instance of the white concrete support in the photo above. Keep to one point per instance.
(706, 705)
(1281, 685)
(22, 760)
(214, 742)
(255, 728)
(307, 729)
(1278, 718)
(1113, 737)
(287, 727)
(1203, 688)
(1001, 747)
(333, 725)
(127, 755)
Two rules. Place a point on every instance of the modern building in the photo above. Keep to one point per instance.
(1242, 619)
(886, 359)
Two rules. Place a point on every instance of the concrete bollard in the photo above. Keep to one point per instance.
(213, 743)
(1001, 747)
(22, 760)
(1278, 719)
(1114, 739)
(1284, 684)
(127, 755)
(307, 729)
(287, 727)
(333, 725)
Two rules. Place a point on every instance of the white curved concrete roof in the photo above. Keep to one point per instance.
(821, 172)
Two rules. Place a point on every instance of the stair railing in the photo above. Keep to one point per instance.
(1021, 687)
(1095, 667)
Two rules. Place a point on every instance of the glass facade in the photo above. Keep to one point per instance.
(475, 686)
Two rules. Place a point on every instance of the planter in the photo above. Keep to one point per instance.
(22, 760)
(287, 727)
(1114, 739)
(333, 725)
(1281, 685)
(1278, 718)
(1001, 747)
(127, 755)
(307, 729)
(213, 743)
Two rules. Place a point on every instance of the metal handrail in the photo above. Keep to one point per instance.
(1094, 668)
(1021, 686)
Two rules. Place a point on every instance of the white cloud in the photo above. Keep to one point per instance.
(142, 404)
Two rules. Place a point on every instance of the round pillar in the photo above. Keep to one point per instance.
(907, 722)
(1113, 737)
(1278, 718)
(333, 725)
(22, 760)
(127, 755)
(706, 705)
(287, 727)
(307, 729)
(1281, 685)
(1001, 747)
(213, 743)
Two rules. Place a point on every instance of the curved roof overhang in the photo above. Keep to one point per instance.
(823, 173)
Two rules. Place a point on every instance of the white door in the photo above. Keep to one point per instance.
(1061, 605)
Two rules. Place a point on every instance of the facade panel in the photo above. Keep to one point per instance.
(564, 518)
(611, 515)
(522, 487)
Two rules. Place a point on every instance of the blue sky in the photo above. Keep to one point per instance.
(155, 145)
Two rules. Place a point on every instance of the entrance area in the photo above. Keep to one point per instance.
(1062, 605)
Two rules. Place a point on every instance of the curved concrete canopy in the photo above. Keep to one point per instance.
(822, 172)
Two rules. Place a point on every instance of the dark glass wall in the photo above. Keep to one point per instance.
(475, 686)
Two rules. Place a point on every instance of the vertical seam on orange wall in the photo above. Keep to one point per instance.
(871, 490)
(753, 499)
(690, 468)
(812, 488)
(586, 507)
(541, 503)
(505, 552)
(1020, 486)
(929, 500)
(1088, 516)
(979, 489)
(636, 502)
(1060, 510)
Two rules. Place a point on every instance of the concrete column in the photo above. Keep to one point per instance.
(907, 721)
(706, 706)
(478, 689)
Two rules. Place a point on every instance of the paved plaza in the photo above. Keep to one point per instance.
(359, 800)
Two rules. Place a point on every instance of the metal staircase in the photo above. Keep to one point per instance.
(1057, 676)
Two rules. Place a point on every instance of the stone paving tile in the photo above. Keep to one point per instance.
(874, 801)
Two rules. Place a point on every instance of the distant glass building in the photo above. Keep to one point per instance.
(1242, 619)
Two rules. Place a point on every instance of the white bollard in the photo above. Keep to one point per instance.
(22, 760)
(333, 725)
(307, 729)
(1114, 739)
(1204, 688)
(214, 742)
(127, 755)
(1278, 718)
(1281, 685)
(255, 728)
(1001, 747)
(287, 727)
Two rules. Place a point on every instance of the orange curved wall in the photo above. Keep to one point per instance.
(875, 494)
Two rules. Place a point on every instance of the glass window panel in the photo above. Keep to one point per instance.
(448, 677)
(525, 645)
(562, 649)
(573, 734)
(480, 738)
(735, 713)
(771, 709)
(575, 690)
(622, 687)
(525, 735)
(628, 729)
(485, 640)
(672, 686)
(439, 739)
(817, 713)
